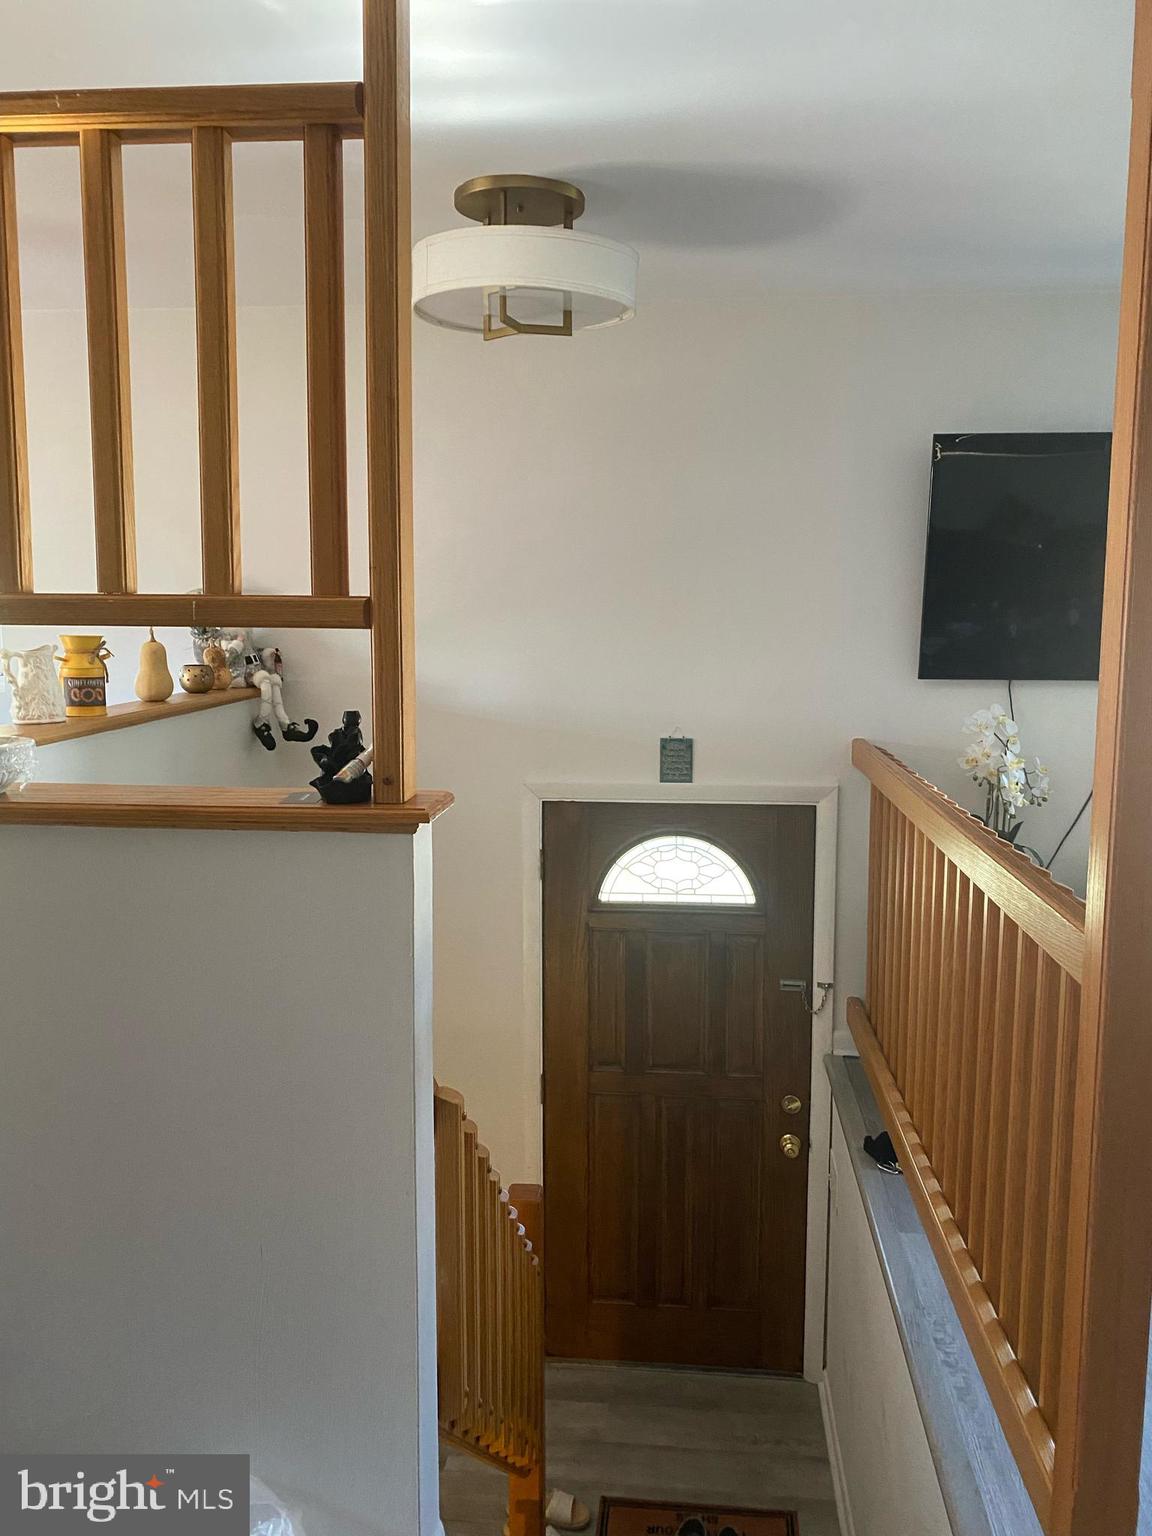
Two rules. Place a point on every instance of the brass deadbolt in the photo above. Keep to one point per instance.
(790, 1145)
(790, 1104)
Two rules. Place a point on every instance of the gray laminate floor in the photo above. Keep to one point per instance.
(639, 1431)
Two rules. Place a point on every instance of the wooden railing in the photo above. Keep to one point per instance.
(970, 1040)
(490, 1315)
(210, 118)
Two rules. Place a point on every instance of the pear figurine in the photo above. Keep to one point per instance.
(154, 681)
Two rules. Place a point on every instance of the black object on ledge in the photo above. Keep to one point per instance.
(343, 745)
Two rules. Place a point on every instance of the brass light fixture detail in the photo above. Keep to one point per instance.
(502, 200)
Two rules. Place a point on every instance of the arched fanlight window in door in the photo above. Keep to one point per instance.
(676, 870)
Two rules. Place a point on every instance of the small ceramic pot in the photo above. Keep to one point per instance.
(197, 678)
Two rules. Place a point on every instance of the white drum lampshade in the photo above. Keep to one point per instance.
(518, 274)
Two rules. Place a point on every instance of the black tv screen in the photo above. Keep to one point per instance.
(1014, 568)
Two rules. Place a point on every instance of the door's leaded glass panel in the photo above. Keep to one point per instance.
(677, 870)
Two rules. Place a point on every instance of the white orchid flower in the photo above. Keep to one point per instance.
(982, 723)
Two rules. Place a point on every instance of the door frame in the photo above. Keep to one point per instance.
(824, 797)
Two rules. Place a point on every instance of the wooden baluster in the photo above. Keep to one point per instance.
(473, 1287)
(930, 993)
(994, 926)
(216, 359)
(518, 1348)
(490, 1304)
(524, 1269)
(500, 1314)
(109, 381)
(882, 922)
(897, 854)
(327, 426)
(1038, 1169)
(991, 1268)
(970, 1045)
(451, 1246)
(936, 1086)
(909, 964)
(951, 1066)
(15, 526)
(496, 1312)
(483, 1415)
(512, 1344)
(876, 913)
(892, 892)
(388, 325)
(1014, 1168)
(918, 976)
(1058, 1195)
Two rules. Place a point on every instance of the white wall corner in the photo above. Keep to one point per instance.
(835, 1460)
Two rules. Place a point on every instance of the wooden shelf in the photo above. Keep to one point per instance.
(120, 716)
(230, 810)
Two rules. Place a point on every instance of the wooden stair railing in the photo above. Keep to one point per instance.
(970, 1040)
(100, 123)
(490, 1315)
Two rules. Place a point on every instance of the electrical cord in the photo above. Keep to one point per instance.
(1076, 819)
(1070, 830)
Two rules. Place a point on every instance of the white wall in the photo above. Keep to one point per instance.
(215, 1121)
(710, 519)
(880, 1452)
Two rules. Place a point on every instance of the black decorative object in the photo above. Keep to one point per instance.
(882, 1152)
(344, 744)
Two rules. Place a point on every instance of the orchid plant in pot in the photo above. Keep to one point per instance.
(994, 761)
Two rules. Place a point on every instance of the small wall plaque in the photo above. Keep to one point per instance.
(675, 759)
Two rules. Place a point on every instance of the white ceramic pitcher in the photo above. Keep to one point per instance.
(37, 696)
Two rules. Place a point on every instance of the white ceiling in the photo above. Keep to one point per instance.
(740, 144)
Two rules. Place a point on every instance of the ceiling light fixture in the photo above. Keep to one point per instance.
(523, 271)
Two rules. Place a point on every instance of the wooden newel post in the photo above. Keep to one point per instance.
(388, 341)
(527, 1491)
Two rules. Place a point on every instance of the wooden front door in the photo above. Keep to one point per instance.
(674, 1221)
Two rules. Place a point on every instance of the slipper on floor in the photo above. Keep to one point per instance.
(562, 1513)
(549, 1530)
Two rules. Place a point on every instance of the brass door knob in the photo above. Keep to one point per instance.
(790, 1104)
(790, 1145)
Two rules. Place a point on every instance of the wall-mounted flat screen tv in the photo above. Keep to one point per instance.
(1014, 568)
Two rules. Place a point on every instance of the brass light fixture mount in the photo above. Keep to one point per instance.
(519, 199)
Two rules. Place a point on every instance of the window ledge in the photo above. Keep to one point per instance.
(979, 1481)
(209, 808)
(121, 716)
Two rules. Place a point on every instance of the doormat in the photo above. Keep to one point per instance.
(642, 1517)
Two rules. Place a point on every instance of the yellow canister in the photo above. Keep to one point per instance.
(84, 675)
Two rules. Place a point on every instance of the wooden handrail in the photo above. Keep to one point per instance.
(146, 112)
(241, 610)
(490, 1315)
(969, 1037)
(1047, 911)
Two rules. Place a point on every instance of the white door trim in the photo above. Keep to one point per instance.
(824, 797)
